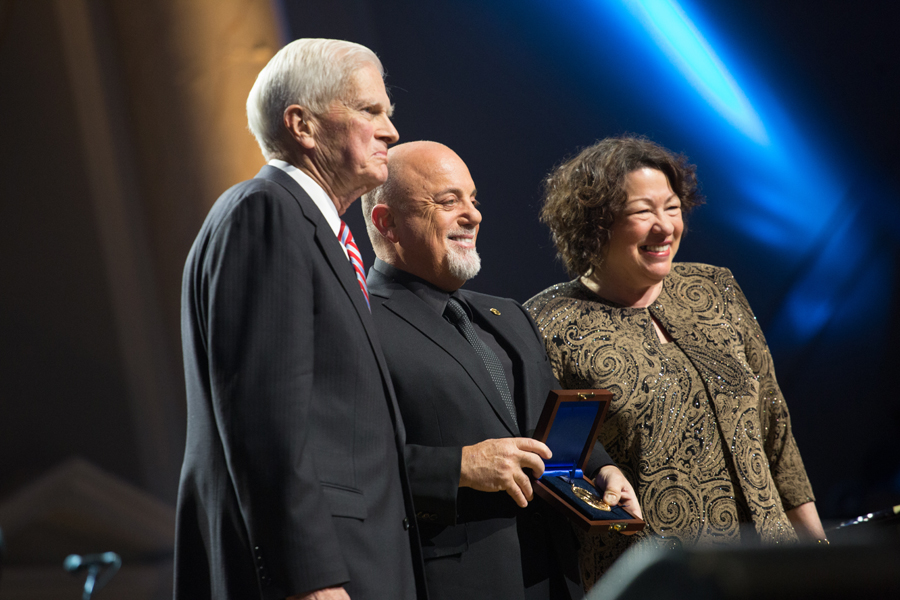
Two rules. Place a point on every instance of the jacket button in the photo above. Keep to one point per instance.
(405, 524)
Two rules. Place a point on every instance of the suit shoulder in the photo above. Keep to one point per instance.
(250, 193)
(486, 299)
(511, 310)
(258, 200)
(255, 210)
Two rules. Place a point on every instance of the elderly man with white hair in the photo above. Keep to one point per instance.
(294, 482)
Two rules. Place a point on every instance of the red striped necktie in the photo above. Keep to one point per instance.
(346, 240)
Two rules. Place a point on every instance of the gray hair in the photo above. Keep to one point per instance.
(309, 72)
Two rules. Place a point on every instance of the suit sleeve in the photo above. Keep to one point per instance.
(257, 280)
(781, 448)
(434, 478)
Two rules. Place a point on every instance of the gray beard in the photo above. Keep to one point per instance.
(463, 264)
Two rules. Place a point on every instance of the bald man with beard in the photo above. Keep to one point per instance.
(468, 411)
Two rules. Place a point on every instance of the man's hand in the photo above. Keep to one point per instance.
(332, 593)
(495, 465)
(617, 490)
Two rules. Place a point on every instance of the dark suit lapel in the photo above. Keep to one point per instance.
(502, 327)
(411, 309)
(343, 270)
(325, 237)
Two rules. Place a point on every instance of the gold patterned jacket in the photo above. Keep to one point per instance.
(699, 426)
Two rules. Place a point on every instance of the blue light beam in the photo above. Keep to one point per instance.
(688, 50)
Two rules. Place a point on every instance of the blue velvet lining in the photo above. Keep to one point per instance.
(563, 472)
(569, 433)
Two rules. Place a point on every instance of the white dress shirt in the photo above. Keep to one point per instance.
(315, 191)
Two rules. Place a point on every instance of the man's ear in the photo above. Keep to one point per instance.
(383, 219)
(300, 126)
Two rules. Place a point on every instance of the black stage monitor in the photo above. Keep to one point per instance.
(813, 572)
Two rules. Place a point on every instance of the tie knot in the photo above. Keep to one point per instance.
(455, 311)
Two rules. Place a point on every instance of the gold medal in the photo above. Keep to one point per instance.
(587, 496)
(590, 498)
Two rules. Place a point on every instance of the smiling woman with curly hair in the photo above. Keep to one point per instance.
(583, 197)
(698, 423)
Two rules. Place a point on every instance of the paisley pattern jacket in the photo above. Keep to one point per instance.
(699, 425)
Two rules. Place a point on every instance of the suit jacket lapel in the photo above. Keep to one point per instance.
(411, 309)
(343, 270)
(325, 237)
(502, 328)
(499, 325)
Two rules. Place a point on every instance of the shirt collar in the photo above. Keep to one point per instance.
(434, 297)
(315, 191)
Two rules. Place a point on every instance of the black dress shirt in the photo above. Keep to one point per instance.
(436, 299)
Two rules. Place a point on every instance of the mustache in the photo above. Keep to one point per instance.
(461, 231)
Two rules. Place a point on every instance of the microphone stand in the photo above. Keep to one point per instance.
(94, 563)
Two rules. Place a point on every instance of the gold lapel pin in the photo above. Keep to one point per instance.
(495, 311)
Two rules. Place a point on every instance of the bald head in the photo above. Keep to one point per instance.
(407, 166)
(424, 219)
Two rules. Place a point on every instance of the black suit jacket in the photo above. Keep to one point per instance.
(476, 544)
(293, 475)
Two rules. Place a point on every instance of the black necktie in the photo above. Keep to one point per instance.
(457, 315)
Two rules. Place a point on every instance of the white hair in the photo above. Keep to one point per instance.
(309, 72)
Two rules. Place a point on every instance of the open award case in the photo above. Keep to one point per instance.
(568, 425)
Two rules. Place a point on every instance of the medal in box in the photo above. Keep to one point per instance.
(568, 425)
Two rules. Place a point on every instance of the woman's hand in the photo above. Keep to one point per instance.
(617, 490)
(805, 519)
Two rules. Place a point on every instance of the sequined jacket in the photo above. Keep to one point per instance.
(701, 429)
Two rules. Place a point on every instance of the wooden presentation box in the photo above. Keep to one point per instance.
(568, 425)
